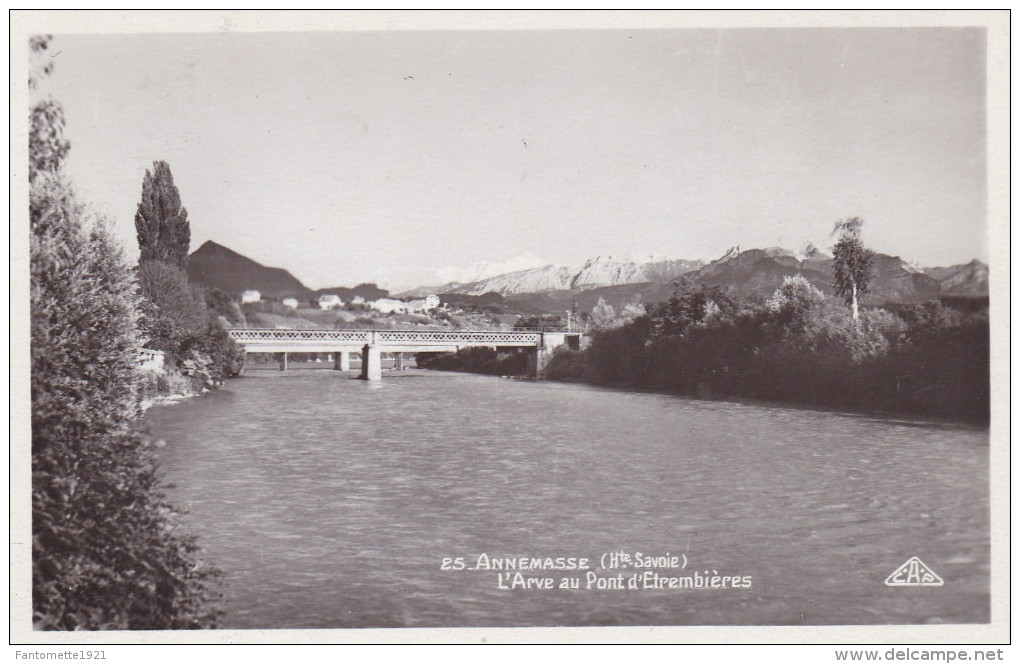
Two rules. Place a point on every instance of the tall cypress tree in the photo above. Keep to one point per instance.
(164, 233)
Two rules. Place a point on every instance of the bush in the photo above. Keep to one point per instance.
(107, 549)
(268, 307)
(220, 304)
(801, 347)
(480, 360)
(567, 365)
(155, 385)
(176, 320)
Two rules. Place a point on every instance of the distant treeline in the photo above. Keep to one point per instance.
(927, 359)
(480, 360)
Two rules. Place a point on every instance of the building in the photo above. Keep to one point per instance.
(430, 303)
(250, 296)
(330, 302)
(290, 302)
(388, 306)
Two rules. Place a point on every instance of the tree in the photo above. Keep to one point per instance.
(107, 551)
(691, 305)
(164, 233)
(603, 316)
(630, 313)
(47, 146)
(176, 319)
(792, 302)
(851, 263)
(176, 316)
(173, 319)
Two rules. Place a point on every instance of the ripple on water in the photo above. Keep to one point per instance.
(330, 502)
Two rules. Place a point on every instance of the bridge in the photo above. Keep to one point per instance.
(370, 344)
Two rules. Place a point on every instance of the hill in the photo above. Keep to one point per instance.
(214, 266)
(970, 279)
(367, 291)
(758, 272)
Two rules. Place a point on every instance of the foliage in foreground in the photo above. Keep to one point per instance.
(107, 548)
(108, 551)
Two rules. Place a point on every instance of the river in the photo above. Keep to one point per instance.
(332, 502)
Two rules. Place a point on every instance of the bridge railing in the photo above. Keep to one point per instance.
(365, 336)
(565, 330)
(442, 336)
(271, 334)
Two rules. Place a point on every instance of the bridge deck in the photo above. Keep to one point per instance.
(282, 341)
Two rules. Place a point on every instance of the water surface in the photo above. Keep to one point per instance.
(331, 502)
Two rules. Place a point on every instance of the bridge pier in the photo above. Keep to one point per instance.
(342, 361)
(283, 361)
(398, 361)
(538, 358)
(371, 363)
(532, 354)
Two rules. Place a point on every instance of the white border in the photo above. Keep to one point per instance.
(25, 23)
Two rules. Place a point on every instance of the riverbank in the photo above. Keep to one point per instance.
(860, 388)
(854, 389)
(162, 387)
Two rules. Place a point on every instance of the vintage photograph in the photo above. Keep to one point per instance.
(656, 325)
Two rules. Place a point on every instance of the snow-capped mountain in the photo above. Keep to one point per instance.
(743, 271)
(612, 271)
(593, 273)
(485, 270)
(537, 280)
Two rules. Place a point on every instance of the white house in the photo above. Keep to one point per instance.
(388, 306)
(330, 301)
(250, 296)
(431, 302)
(290, 302)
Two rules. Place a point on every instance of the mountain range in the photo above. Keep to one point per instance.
(619, 281)
(593, 273)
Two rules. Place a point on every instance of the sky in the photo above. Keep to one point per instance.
(406, 158)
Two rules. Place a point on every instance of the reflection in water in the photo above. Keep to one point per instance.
(332, 502)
